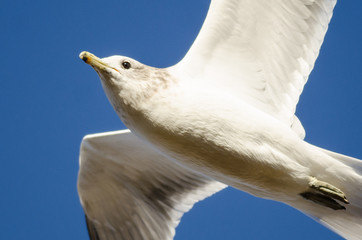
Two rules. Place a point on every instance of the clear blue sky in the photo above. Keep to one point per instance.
(50, 99)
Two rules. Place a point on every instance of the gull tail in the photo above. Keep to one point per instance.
(347, 221)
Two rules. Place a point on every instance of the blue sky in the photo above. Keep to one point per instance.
(50, 99)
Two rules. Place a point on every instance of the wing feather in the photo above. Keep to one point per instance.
(130, 191)
(260, 50)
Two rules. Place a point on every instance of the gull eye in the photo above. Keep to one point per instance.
(126, 65)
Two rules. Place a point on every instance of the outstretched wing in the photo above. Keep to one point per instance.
(130, 191)
(260, 50)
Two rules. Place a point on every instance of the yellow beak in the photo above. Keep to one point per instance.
(94, 61)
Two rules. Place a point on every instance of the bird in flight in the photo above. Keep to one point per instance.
(223, 116)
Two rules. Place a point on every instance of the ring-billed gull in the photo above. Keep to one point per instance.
(223, 115)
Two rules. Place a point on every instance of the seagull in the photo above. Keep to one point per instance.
(223, 116)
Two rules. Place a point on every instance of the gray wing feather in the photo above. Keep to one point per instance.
(130, 191)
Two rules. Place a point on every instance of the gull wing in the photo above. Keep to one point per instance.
(260, 50)
(130, 191)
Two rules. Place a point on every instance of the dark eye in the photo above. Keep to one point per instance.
(126, 65)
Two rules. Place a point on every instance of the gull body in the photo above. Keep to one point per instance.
(221, 136)
(220, 116)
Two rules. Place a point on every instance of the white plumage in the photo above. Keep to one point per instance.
(225, 113)
(121, 181)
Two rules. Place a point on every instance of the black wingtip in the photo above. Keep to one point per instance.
(92, 231)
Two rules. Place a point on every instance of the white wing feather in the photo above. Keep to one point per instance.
(261, 50)
(130, 191)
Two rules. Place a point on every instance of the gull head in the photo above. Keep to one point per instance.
(128, 83)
